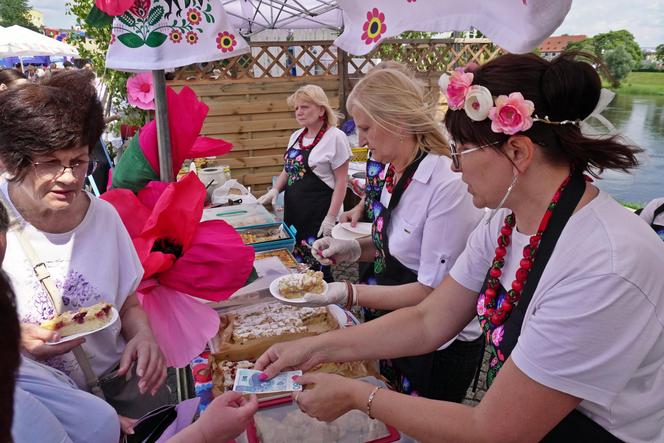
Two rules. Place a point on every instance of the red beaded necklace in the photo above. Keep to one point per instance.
(317, 138)
(498, 314)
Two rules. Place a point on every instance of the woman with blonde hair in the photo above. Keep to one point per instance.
(314, 174)
(422, 219)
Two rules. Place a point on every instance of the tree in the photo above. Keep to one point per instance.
(15, 12)
(619, 62)
(600, 44)
(659, 53)
(96, 53)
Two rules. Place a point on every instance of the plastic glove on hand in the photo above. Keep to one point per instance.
(328, 251)
(326, 226)
(337, 294)
(269, 197)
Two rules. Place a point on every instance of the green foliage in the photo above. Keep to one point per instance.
(619, 63)
(600, 44)
(659, 53)
(95, 50)
(15, 12)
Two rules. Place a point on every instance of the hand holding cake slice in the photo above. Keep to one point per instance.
(86, 319)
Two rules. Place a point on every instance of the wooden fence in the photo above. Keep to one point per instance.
(247, 94)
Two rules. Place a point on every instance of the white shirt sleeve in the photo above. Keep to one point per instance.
(450, 219)
(648, 213)
(339, 152)
(472, 265)
(576, 340)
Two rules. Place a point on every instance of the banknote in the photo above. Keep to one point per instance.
(247, 380)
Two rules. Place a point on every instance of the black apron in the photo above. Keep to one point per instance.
(659, 229)
(306, 201)
(416, 374)
(500, 341)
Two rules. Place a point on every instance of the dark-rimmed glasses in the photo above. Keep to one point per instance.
(54, 169)
(455, 154)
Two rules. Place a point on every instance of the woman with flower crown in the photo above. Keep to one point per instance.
(566, 283)
(421, 202)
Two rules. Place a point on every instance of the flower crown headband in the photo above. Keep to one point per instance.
(511, 114)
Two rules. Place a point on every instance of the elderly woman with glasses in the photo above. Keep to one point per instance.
(47, 131)
(565, 282)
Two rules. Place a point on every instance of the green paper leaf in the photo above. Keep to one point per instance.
(252, 277)
(127, 19)
(155, 39)
(156, 14)
(131, 40)
(98, 18)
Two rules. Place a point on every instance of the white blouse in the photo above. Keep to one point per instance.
(429, 227)
(332, 151)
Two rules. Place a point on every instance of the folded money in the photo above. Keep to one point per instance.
(248, 380)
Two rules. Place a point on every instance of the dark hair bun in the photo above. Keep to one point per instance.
(570, 88)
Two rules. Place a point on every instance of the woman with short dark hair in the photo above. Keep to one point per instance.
(47, 132)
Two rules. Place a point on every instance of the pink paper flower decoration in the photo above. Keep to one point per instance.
(114, 7)
(511, 114)
(455, 87)
(140, 92)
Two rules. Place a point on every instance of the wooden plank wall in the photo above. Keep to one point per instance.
(253, 115)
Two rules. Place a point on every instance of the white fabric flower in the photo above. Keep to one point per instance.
(478, 103)
(443, 81)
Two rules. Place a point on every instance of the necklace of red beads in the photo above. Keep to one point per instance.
(317, 138)
(498, 314)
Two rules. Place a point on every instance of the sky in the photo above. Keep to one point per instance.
(643, 18)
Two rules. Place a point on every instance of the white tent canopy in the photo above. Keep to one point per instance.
(16, 41)
(251, 16)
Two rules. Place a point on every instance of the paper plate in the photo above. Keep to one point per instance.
(344, 231)
(274, 290)
(114, 318)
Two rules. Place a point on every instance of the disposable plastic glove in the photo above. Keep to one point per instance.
(337, 294)
(326, 226)
(352, 215)
(330, 251)
(269, 197)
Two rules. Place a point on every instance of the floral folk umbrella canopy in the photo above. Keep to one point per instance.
(164, 34)
(515, 25)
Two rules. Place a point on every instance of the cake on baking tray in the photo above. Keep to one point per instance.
(83, 320)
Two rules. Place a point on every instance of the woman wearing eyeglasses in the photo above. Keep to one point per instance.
(47, 131)
(422, 219)
(567, 283)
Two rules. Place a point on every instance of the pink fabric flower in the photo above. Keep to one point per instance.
(480, 305)
(114, 7)
(511, 114)
(140, 92)
(455, 87)
(497, 335)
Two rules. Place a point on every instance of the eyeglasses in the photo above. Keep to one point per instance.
(456, 161)
(54, 169)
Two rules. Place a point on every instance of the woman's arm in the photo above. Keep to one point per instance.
(280, 184)
(515, 409)
(368, 249)
(409, 331)
(141, 347)
(340, 177)
(391, 297)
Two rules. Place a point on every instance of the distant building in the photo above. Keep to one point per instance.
(553, 46)
(36, 18)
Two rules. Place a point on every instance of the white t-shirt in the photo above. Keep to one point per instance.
(431, 224)
(94, 262)
(332, 151)
(595, 325)
(649, 211)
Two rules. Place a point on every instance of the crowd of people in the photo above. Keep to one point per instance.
(488, 236)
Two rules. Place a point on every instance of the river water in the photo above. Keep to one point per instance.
(641, 118)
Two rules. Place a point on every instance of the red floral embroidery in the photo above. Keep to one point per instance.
(226, 42)
(194, 16)
(374, 27)
(141, 8)
(175, 36)
(191, 37)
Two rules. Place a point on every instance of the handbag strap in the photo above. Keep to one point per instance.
(44, 277)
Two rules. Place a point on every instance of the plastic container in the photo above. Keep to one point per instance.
(268, 237)
(239, 216)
